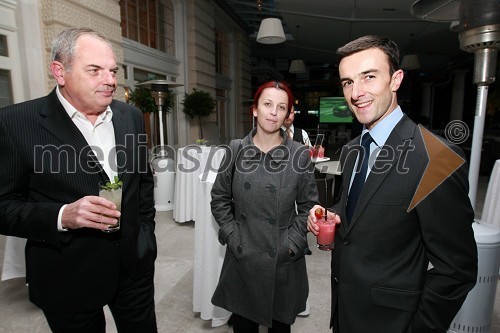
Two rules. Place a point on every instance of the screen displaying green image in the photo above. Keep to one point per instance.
(334, 110)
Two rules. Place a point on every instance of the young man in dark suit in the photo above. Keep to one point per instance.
(55, 151)
(405, 256)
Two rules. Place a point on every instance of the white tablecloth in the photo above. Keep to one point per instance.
(208, 256)
(491, 208)
(14, 265)
(330, 167)
(191, 162)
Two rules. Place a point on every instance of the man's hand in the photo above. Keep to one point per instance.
(90, 212)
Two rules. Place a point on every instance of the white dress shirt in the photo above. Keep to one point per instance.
(100, 136)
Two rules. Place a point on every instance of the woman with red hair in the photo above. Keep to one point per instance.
(261, 197)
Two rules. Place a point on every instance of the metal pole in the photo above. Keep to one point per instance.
(477, 142)
(160, 115)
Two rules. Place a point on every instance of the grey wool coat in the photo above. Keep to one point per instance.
(264, 275)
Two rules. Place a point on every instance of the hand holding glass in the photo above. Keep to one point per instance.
(112, 192)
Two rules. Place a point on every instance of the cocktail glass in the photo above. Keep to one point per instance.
(113, 194)
(326, 236)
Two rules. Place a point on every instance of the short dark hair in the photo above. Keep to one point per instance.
(382, 43)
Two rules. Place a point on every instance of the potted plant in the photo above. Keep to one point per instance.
(199, 104)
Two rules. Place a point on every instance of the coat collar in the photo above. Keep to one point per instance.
(277, 154)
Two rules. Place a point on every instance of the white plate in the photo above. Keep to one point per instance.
(320, 159)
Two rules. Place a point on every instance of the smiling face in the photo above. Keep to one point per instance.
(368, 87)
(89, 83)
(271, 110)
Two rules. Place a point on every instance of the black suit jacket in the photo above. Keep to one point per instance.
(45, 162)
(380, 277)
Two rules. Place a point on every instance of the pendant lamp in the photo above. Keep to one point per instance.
(297, 66)
(271, 31)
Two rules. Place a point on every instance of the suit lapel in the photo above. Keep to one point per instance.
(123, 155)
(60, 125)
(57, 122)
(395, 147)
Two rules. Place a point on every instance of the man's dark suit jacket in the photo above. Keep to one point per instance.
(45, 162)
(380, 281)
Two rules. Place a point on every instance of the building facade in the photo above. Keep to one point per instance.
(190, 42)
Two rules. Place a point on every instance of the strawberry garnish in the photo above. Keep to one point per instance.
(318, 213)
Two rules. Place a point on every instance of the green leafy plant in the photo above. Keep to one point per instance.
(198, 104)
(116, 184)
(201, 141)
(142, 99)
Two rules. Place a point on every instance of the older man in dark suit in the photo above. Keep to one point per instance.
(55, 150)
(405, 256)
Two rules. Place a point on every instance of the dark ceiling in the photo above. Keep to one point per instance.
(316, 28)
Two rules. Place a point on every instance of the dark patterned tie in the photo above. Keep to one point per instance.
(360, 177)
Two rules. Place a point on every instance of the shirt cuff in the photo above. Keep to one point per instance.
(59, 220)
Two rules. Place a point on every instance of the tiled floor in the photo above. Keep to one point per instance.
(174, 279)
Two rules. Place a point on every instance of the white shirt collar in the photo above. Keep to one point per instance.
(383, 129)
(73, 112)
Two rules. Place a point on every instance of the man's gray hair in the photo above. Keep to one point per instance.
(63, 46)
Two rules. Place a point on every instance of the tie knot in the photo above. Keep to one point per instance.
(366, 140)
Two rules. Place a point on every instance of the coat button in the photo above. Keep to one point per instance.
(247, 185)
(336, 280)
(239, 249)
(272, 188)
(272, 220)
(243, 217)
(347, 243)
(272, 253)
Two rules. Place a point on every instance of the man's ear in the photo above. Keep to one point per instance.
(397, 79)
(58, 72)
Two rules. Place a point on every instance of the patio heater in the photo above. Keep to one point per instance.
(479, 33)
(163, 159)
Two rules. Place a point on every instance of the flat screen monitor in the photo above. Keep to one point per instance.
(334, 110)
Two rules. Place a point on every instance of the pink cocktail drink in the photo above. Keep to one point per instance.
(326, 234)
(313, 152)
(321, 152)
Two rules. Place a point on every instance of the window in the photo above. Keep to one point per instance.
(4, 51)
(147, 22)
(142, 75)
(6, 97)
(221, 54)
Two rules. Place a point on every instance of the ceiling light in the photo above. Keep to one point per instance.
(297, 67)
(271, 31)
